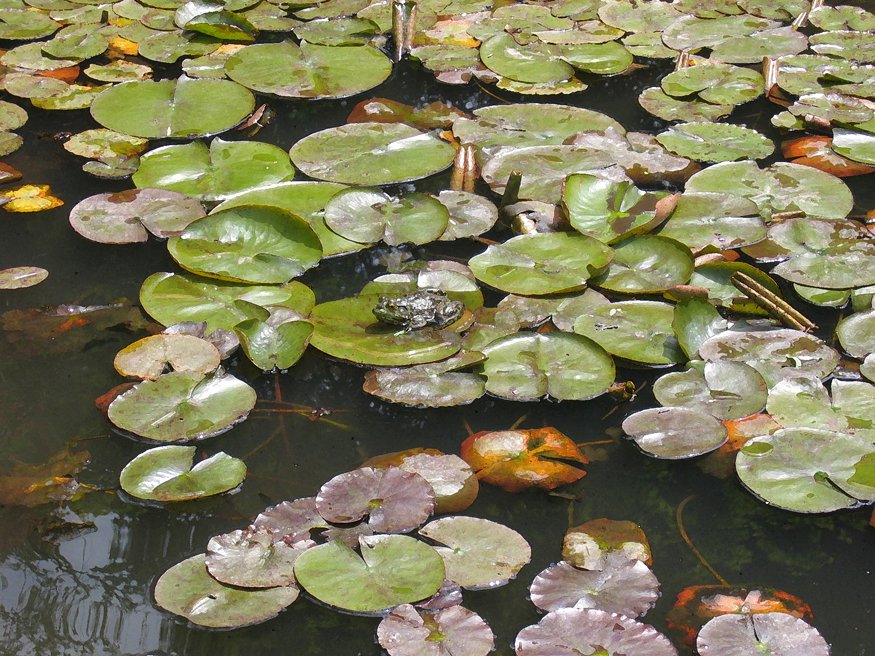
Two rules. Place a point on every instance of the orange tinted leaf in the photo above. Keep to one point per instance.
(102, 402)
(817, 152)
(697, 604)
(721, 463)
(8, 173)
(518, 459)
(30, 198)
(52, 481)
(382, 110)
(68, 74)
(121, 45)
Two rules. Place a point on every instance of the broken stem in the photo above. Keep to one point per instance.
(771, 302)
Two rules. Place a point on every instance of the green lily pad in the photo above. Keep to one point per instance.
(639, 331)
(856, 401)
(76, 42)
(844, 17)
(528, 366)
(187, 589)
(470, 215)
(369, 215)
(248, 243)
(716, 278)
(714, 82)
(392, 570)
(856, 333)
(148, 357)
(167, 47)
(119, 70)
(804, 402)
(846, 44)
(309, 70)
(371, 154)
(129, 216)
(75, 96)
(12, 116)
(433, 385)
(223, 169)
(726, 390)
(655, 101)
(183, 108)
(696, 320)
(823, 297)
(724, 221)
(676, 432)
(716, 142)
(183, 406)
(348, 329)
(855, 145)
(541, 263)
(479, 553)
(776, 354)
(782, 187)
(251, 558)
(839, 267)
(171, 298)
(22, 277)
(341, 31)
(25, 24)
(752, 48)
(274, 343)
(607, 210)
(805, 470)
(639, 154)
(167, 473)
(31, 57)
(645, 265)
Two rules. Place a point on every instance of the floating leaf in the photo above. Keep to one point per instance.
(148, 357)
(395, 501)
(541, 263)
(528, 366)
(840, 267)
(469, 214)
(519, 459)
(183, 406)
(165, 473)
(392, 570)
(582, 630)
(646, 264)
(726, 390)
(674, 433)
(805, 470)
(588, 545)
(277, 343)
(715, 82)
(248, 243)
(856, 333)
(129, 216)
(224, 169)
(183, 108)
(655, 101)
(817, 152)
(309, 70)
(803, 401)
(778, 633)
(22, 277)
(371, 154)
(251, 558)
(715, 142)
(624, 585)
(695, 320)
(291, 521)
(479, 553)
(453, 631)
(383, 110)
(720, 220)
(639, 331)
(29, 198)
(433, 385)
(187, 589)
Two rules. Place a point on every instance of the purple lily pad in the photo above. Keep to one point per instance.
(252, 559)
(449, 595)
(292, 520)
(575, 631)
(624, 586)
(454, 631)
(779, 634)
(395, 501)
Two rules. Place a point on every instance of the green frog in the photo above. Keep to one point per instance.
(418, 310)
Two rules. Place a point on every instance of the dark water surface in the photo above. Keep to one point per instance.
(89, 592)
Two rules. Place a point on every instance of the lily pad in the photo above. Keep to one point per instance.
(395, 501)
(433, 385)
(129, 216)
(479, 553)
(778, 633)
(588, 546)
(528, 366)
(570, 631)
(291, 521)
(723, 221)
(804, 402)
(148, 357)
(248, 243)
(251, 558)
(183, 108)
(182, 406)
(674, 433)
(516, 460)
(371, 154)
(805, 470)
(655, 101)
(726, 390)
(696, 320)
(309, 70)
(348, 329)
(469, 214)
(541, 263)
(171, 298)
(714, 82)
(187, 589)
(856, 333)
(22, 277)
(453, 631)
(624, 585)
(223, 169)
(165, 473)
(639, 331)
(716, 142)
(645, 265)
(276, 343)
(392, 570)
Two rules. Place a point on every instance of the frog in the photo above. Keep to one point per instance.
(420, 309)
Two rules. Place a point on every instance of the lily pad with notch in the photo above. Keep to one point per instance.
(778, 633)
(277, 342)
(724, 221)
(147, 358)
(646, 264)
(674, 433)
(432, 385)
(251, 558)
(453, 631)
(715, 142)
(724, 389)
(588, 545)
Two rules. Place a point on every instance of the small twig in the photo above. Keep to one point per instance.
(679, 520)
(490, 93)
(594, 443)
(467, 426)
(519, 421)
(771, 302)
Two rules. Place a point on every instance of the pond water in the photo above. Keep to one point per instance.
(76, 592)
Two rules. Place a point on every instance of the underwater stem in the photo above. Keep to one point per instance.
(679, 519)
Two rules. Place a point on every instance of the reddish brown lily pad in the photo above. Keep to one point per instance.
(697, 604)
(817, 152)
(48, 482)
(515, 460)
(454, 631)
(721, 463)
(383, 110)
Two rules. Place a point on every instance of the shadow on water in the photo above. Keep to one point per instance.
(89, 592)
